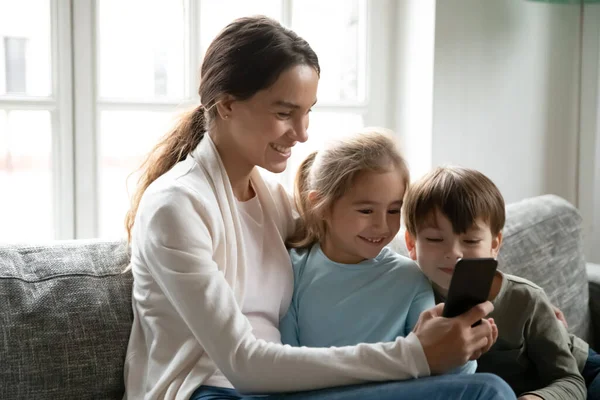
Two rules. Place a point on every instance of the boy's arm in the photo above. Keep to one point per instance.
(548, 348)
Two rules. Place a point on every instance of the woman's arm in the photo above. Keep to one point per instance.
(174, 241)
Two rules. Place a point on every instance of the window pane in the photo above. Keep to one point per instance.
(337, 33)
(126, 137)
(26, 202)
(14, 54)
(323, 127)
(215, 15)
(25, 61)
(141, 49)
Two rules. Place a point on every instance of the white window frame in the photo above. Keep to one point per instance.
(377, 107)
(75, 105)
(88, 106)
(60, 106)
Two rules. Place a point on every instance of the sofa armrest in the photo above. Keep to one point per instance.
(593, 273)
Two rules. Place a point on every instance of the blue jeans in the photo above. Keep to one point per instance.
(591, 374)
(444, 387)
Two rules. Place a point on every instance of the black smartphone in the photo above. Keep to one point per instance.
(470, 285)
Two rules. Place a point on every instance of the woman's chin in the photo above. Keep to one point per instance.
(275, 168)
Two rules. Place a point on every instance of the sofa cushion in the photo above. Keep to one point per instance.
(65, 317)
(65, 308)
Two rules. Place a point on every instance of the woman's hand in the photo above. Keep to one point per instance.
(451, 342)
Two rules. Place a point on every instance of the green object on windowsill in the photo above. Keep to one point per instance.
(566, 1)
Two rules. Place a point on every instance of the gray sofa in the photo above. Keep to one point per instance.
(65, 309)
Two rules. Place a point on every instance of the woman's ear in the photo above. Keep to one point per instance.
(411, 245)
(225, 106)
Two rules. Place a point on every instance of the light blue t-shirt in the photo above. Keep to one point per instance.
(373, 301)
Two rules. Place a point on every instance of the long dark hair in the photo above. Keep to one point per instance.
(246, 57)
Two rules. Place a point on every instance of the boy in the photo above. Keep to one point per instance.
(454, 213)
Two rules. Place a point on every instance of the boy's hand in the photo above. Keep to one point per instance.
(451, 342)
(491, 338)
(561, 317)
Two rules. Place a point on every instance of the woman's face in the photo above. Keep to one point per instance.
(263, 129)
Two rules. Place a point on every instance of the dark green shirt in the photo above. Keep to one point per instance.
(534, 353)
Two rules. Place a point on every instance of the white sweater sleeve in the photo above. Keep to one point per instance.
(175, 243)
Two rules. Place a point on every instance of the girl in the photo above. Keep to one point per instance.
(212, 275)
(349, 287)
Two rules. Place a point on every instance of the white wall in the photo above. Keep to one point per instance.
(589, 145)
(505, 93)
(500, 86)
(413, 80)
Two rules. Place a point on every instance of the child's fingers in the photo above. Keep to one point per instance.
(494, 330)
(476, 313)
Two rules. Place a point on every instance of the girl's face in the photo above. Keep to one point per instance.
(366, 218)
(262, 130)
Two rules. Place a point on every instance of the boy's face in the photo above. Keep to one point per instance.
(437, 248)
(365, 219)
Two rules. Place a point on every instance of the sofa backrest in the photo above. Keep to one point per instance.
(65, 308)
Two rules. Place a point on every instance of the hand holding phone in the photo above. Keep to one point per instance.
(470, 285)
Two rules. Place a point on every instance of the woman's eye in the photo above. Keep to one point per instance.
(394, 211)
(365, 211)
(284, 115)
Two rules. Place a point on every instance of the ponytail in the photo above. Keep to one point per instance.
(310, 228)
(172, 148)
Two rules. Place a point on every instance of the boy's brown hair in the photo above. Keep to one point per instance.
(461, 194)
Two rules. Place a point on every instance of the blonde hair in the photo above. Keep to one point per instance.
(461, 194)
(325, 176)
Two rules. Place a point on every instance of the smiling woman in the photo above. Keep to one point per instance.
(261, 131)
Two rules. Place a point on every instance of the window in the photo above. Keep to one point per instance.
(14, 57)
(337, 33)
(30, 119)
(132, 73)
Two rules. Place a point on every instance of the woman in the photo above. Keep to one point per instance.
(211, 272)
